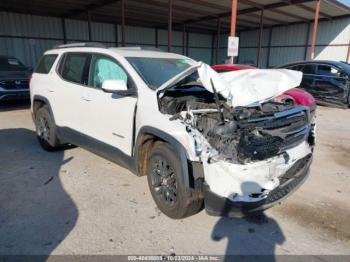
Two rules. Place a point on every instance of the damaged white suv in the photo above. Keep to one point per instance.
(198, 136)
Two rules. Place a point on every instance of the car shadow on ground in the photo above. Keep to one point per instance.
(249, 236)
(36, 213)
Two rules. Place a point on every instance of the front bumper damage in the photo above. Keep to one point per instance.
(217, 205)
(254, 151)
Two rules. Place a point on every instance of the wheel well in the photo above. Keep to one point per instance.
(38, 104)
(143, 150)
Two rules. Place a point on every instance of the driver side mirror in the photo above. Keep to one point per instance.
(114, 86)
(118, 87)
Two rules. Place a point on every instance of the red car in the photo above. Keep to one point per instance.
(295, 95)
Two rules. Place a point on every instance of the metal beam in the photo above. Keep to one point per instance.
(267, 19)
(183, 38)
(307, 40)
(244, 11)
(91, 7)
(311, 10)
(284, 13)
(261, 37)
(269, 48)
(348, 55)
(64, 33)
(234, 5)
(156, 37)
(123, 21)
(170, 25)
(217, 40)
(89, 25)
(314, 31)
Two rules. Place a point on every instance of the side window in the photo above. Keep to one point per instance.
(327, 70)
(74, 67)
(45, 64)
(105, 68)
(308, 69)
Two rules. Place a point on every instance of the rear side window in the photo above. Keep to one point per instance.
(74, 67)
(308, 69)
(327, 70)
(45, 64)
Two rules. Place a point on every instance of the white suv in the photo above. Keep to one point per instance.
(197, 135)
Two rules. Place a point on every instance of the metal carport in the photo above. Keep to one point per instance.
(202, 16)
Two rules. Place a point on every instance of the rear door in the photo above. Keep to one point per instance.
(309, 71)
(69, 107)
(109, 117)
(331, 84)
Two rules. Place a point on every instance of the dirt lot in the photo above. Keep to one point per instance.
(73, 202)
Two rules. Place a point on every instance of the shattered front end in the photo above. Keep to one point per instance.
(253, 155)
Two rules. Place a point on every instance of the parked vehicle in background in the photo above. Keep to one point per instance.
(294, 95)
(196, 135)
(14, 79)
(328, 81)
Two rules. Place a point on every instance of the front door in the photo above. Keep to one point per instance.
(331, 84)
(110, 117)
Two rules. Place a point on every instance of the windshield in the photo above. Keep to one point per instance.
(11, 64)
(156, 71)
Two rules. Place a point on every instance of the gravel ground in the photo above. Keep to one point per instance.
(74, 202)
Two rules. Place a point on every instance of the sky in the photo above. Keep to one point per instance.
(345, 2)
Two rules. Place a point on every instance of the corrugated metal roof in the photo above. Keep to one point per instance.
(193, 13)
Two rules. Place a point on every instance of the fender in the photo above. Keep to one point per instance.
(179, 148)
(44, 100)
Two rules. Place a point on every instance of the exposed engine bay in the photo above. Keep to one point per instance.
(246, 138)
(241, 134)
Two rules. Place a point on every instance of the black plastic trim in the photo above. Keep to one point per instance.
(43, 100)
(97, 147)
(148, 130)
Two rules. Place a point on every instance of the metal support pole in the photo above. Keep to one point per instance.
(63, 22)
(217, 40)
(187, 39)
(269, 48)
(348, 55)
(170, 24)
(314, 31)
(261, 37)
(307, 40)
(212, 49)
(89, 25)
(116, 34)
(234, 4)
(183, 38)
(123, 21)
(156, 37)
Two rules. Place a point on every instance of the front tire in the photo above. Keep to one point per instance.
(172, 197)
(46, 129)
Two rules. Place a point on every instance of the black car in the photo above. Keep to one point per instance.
(14, 79)
(327, 81)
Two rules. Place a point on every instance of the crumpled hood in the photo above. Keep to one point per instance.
(243, 87)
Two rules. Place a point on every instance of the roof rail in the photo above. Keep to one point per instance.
(146, 48)
(88, 44)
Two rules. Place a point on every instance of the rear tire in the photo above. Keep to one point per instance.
(172, 197)
(46, 129)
